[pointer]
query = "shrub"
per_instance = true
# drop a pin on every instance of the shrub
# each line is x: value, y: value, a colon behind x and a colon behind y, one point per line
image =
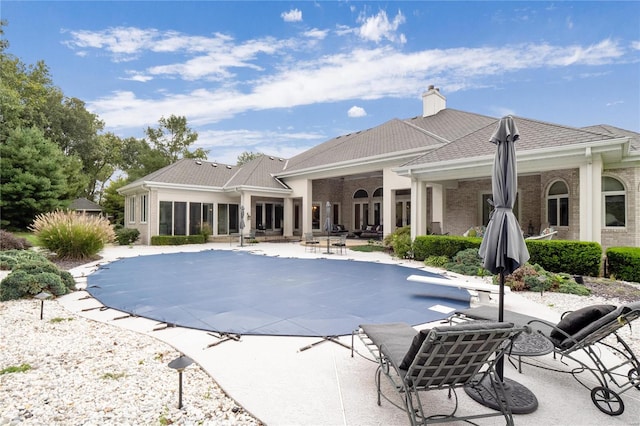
x: 442, y: 245
x: 176, y: 240
x: 534, y: 278
x: 8, y: 241
x: 32, y: 277
x: 574, y: 257
x: 206, y: 232
x: 437, y: 261
x: 467, y: 262
x: 624, y: 263
x: 400, y: 242
x: 72, y: 236
x: 126, y: 236
x: 11, y: 258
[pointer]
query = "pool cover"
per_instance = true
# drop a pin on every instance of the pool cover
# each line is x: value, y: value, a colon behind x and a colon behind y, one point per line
x: 244, y: 293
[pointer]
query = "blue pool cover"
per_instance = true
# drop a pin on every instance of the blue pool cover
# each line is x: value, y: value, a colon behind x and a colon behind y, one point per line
x: 244, y: 293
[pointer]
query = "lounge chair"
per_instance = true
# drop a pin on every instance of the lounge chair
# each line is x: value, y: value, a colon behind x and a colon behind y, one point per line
x: 547, y: 236
x: 583, y: 332
x: 443, y: 358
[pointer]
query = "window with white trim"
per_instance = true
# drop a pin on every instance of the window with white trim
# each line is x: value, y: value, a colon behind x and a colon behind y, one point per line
x: 132, y: 209
x: 143, y: 208
x: 614, y: 202
x: 558, y: 204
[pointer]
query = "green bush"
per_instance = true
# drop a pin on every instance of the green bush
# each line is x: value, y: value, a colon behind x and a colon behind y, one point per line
x: 437, y: 261
x: 33, y: 276
x: 400, y: 242
x: 72, y: 236
x: 11, y: 258
x: 573, y: 257
x: 624, y: 263
x: 206, y: 232
x: 534, y: 278
x: 8, y: 241
x: 176, y: 240
x: 467, y: 262
x: 442, y: 245
x: 126, y: 236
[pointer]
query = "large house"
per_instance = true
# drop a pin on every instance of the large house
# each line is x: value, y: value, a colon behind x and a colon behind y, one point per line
x: 431, y: 171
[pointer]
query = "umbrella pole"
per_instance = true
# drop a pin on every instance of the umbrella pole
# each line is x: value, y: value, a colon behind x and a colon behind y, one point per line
x: 500, y: 362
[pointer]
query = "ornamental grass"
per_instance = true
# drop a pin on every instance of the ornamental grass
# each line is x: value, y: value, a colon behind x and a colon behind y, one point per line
x: 72, y: 236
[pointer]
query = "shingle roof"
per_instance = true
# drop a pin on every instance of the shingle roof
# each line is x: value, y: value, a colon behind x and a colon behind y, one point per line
x: 188, y: 171
x: 534, y: 134
x: 84, y: 204
x: 259, y: 173
x: 617, y: 132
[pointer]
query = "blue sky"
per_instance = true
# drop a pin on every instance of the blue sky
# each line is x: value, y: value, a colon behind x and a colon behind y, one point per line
x: 279, y: 77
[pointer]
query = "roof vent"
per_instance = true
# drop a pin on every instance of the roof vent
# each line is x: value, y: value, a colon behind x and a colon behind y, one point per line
x: 229, y: 167
x: 270, y: 158
x: 280, y: 159
x: 214, y: 164
x: 199, y: 163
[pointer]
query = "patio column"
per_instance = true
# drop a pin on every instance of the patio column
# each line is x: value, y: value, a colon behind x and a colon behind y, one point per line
x: 590, y: 198
x: 287, y: 218
x: 307, y: 205
x: 418, y: 208
x: 437, y: 204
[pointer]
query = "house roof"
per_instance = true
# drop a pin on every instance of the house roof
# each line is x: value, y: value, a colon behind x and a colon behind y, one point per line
x: 259, y: 173
x: 634, y: 137
x: 416, y: 135
x: 534, y: 135
x: 83, y: 204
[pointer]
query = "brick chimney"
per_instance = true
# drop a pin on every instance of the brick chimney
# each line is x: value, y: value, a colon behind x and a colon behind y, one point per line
x: 432, y: 101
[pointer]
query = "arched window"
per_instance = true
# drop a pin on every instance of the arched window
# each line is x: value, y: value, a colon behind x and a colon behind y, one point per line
x: 377, y: 193
x: 613, y: 202
x: 558, y: 204
x: 361, y: 193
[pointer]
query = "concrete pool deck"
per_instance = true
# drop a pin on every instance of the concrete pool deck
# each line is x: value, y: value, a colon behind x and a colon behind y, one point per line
x: 281, y: 385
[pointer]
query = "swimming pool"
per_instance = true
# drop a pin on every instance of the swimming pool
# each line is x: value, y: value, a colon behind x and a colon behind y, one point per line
x: 245, y: 293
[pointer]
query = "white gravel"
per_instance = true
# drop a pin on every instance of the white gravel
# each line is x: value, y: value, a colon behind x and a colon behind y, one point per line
x: 84, y: 372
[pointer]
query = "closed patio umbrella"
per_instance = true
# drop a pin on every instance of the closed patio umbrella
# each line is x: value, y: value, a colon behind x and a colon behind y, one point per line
x: 503, y: 249
x: 241, y: 226
x: 327, y: 225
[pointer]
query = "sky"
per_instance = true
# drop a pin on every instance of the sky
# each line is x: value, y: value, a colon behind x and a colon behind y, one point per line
x: 279, y: 77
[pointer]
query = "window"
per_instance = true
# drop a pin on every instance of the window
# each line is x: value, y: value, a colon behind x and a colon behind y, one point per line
x: 315, y: 216
x: 166, y: 218
x: 614, y: 202
x: 228, y: 219
x: 143, y: 208
x: 195, y: 218
x: 173, y: 218
x: 558, y: 204
x: 486, y: 206
x: 207, y: 216
x: 361, y: 193
x: 132, y: 209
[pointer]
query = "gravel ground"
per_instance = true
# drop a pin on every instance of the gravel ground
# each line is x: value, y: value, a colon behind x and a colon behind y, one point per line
x: 83, y: 372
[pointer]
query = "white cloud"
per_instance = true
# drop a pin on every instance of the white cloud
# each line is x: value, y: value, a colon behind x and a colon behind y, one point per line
x: 356, y: 111
x: 614, y: 103
x: 216, y: 93
x: 294, y: 15
x: 378, y: 27
x: 635, y: 45
x: 316, y: 33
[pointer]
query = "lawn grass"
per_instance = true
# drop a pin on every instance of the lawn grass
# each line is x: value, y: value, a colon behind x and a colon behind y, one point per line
x: 29, y: 236
x: 368, y: 248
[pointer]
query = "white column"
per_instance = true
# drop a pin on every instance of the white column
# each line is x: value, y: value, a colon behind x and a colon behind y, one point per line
x: 591, y: 199
x: 307, y: 204
x: 418, y: 208
x: 288, y: 218
x: 437, y: 204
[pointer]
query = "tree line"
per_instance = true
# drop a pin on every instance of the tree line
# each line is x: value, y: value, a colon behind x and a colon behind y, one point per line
x: 53, y: 150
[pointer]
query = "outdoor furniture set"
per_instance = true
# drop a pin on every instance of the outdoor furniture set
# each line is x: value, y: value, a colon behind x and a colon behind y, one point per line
x: 465, y: 354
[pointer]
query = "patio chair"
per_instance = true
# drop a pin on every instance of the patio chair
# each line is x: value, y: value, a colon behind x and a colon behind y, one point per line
x: 311, y: 243
x: 583, y: 332
x: 443, y: 358
x: 341, y: 244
